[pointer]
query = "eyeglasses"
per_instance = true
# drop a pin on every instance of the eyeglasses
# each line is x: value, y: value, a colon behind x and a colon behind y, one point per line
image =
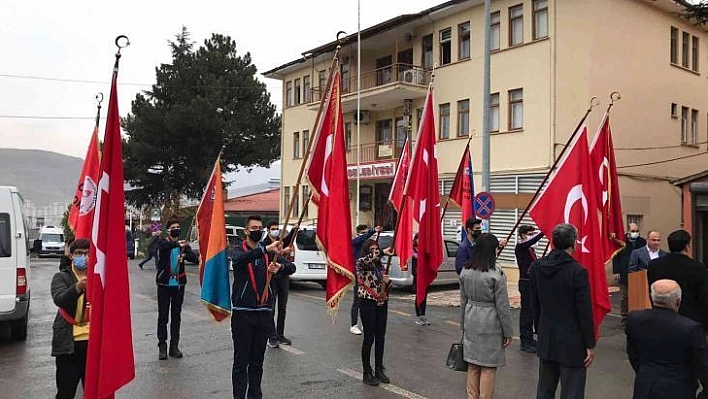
x: 256, y: 228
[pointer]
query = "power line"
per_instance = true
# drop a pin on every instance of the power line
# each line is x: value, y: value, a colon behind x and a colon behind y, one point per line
x: 662, y: 161
x: 48, y: 117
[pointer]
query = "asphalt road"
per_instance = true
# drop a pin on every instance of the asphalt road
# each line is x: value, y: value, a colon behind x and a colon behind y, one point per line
x: 323, y: 362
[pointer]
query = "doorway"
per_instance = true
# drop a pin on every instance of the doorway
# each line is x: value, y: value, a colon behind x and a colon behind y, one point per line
x: 700, y: 239
x: 384, y: 214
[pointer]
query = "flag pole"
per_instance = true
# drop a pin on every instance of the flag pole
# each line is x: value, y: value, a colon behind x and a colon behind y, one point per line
x: 462, y: 161
x: 389, y: 203
x: 299, y: 220
x: 593, y: 103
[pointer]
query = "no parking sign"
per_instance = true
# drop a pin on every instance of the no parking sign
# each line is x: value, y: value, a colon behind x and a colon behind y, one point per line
x: 484, y: 205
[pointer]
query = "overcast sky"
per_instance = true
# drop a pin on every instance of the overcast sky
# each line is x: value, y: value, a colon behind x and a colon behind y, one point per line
x: 73, y: 41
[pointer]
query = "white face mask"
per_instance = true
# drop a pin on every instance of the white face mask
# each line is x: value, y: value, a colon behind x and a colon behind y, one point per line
x: 274, y: 233
x: 634, y: 236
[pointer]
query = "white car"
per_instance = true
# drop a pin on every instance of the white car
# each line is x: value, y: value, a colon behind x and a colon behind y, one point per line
x: 14, y: 264
x: 309, y: 260
x: 52, y: 241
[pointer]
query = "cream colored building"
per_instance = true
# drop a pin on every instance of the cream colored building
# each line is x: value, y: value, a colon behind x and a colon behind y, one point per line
x: 550, y: 57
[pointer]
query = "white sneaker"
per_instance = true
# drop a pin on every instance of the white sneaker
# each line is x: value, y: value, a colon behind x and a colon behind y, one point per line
x: 419, y: 321
x: 355, y: 330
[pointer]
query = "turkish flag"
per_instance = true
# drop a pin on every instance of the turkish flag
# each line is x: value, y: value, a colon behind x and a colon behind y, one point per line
x: 109, y: 362
x: 602, y: 156
x: 327, y: 172
x: 462, y: 192
x: 84, y: 202
x: 422, y: 189
x: 569, y: 198
x: 399, y: 179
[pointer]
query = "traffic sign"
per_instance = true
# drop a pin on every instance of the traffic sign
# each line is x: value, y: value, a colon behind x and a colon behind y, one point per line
x: 484, y: 205
x: 155, y: 215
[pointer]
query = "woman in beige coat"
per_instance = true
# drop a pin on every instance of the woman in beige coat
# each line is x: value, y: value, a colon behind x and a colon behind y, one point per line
x: 485, y: 317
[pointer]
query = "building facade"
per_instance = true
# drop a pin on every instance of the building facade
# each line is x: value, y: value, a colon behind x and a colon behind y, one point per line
x: 549, y: 57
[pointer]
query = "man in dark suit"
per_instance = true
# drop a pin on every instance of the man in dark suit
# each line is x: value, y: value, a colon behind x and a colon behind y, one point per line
x: 640, y: 258
x: 563, y: 314
x: 620, y: 264
x: 667, y: 351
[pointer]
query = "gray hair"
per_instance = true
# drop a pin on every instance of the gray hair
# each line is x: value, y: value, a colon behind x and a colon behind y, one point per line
x: 666, y: 299
x: 564, y: 236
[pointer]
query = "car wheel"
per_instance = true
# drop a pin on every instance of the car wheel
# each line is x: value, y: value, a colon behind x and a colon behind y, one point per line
x: 19, y: 331
x: 323, y: 284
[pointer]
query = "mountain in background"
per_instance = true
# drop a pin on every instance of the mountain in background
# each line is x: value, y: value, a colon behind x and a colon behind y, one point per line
x: 42, y: 177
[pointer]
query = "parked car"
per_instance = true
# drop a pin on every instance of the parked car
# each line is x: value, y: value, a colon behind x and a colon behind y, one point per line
x: 310, y: 261
x: 233, y: 235
x: 52, y: 241
x: 14, y: 264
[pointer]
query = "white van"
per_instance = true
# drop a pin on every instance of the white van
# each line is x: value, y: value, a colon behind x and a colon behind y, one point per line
x: 14, y: 264
x: 52, y: 241
x: 310, y: 261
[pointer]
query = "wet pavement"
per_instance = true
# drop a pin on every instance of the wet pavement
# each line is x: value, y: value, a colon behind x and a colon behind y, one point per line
x: 323, y: 362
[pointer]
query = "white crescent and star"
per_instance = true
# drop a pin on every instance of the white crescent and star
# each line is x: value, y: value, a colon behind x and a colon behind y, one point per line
x: 576, y: 194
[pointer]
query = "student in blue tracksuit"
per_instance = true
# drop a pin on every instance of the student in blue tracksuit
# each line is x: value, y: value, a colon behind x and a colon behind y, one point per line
x: 252, y: 306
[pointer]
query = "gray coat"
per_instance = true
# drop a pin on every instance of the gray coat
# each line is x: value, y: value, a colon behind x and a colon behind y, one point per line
x: 485, y: 316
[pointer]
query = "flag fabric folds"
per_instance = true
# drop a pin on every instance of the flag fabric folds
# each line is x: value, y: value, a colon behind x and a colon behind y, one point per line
x: 602, y: 156
x: 213, y: 262
x: 399, y: 179
x: 327, y: 173
x: 109, y: 363
x: 569, y: 198
x: 422, y: 190
x: 462, y: 191
x: 84, y: 203
x: 403, y: 242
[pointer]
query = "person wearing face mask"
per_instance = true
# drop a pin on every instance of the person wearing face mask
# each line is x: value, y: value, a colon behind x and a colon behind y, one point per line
x: 71, y: 324
x: 473, y: 229
x: 280, y: 284
x: 171, y: 280
x: 525, y: 255
x: 620, y: 265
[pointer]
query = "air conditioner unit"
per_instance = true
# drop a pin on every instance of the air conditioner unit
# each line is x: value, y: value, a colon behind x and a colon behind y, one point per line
x: 413, y: 76
x: 363, y: 117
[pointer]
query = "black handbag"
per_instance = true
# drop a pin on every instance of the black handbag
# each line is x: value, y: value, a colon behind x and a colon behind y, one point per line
x: 455, y: 358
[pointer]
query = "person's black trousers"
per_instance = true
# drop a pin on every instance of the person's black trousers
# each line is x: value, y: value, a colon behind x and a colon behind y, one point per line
x: 249, y: 331
x: 146, y: 260
x: 373, y: 318
x: 420, y: 310
x: 526, y: 316
x: 356, y: 304
x: 70, y: 370
x: 572, y: 380
x: 281, y: 289
x: 169, y: 305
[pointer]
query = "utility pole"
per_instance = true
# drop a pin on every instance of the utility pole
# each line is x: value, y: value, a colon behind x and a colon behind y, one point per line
x: 485, y: 103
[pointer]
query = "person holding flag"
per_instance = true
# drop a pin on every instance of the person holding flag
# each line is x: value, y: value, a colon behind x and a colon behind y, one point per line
x: 525, y: 255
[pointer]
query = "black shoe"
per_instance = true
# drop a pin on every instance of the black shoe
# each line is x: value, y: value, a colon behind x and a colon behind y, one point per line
x: 369, y: 379
x: 284, y: 341
x: 174, y: 351
x: 273, y: 342
x: 381, y: 376
x: 162, y: 349
x: 528, y: 348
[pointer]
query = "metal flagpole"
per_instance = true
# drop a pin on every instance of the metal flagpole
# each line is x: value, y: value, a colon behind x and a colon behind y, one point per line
x: 358, y: 108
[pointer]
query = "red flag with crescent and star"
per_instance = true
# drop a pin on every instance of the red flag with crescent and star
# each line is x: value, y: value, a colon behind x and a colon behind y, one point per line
x: 569, y: 197
x: 82, y: 207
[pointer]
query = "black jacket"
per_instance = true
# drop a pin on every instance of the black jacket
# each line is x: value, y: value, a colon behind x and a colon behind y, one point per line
x: 562, y: 309
x: 244, y: 296
x: 168, y: 253
x: 691, y: 276
x: 620, y: 263
x: 667, y: 351
x: 523, y: 255
x: 64, y: 296
x: 154, y: 244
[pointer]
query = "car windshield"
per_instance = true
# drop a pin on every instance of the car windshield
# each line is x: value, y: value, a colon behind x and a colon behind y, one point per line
x: 306, y: 240
x: 52, y: 237
x: 385, y: 241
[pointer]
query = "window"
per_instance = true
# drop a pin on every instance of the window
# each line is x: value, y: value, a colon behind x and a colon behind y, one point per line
x: 5, y: 236
x: 694, y: 54
x: 674, y: 45
x: 674, y: 110
x: 463, y: 36
x: 444, y: 121
x: 286, y: 199
x: 494, y: 112
x: 540, y: 19
x: 516, y: 25
x: 684, y: 125
x: 289, y: 94
x: 297, y: 92
x: 516, y: 109
x: 296, y: 204
x: 495, y: 31
x: 307, y: 89
x: 463, y: 118
x: 305, y: 140
x: 427, y: 44
x: 445, y: 46
x: 305, y: 198
x: 322, y: 82
x: 348, y: 135
x: 693, y: 138
x: 636, y: 219
x: 384, y: 138
x: 296, y: 145
x: 685, y: 47
x: 346, y: 78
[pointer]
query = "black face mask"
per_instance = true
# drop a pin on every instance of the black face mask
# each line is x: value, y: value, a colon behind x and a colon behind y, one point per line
x: 174, y: 233
x: 476, y: 234
x: 255, y: 235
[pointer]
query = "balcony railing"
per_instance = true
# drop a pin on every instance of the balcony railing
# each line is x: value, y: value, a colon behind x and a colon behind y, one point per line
x: 395, y: 73
x: 372, y: 152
